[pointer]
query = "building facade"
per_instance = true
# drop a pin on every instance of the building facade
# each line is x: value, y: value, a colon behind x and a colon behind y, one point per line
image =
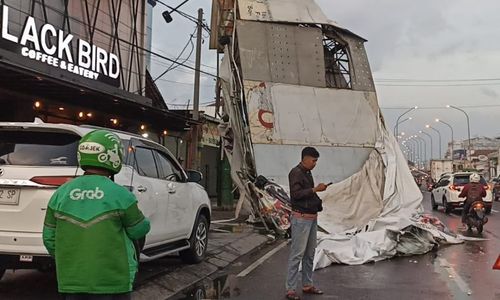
x: 81, y: 62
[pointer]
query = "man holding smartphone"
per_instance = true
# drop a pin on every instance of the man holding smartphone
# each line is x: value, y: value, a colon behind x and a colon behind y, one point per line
x: 305, y: 207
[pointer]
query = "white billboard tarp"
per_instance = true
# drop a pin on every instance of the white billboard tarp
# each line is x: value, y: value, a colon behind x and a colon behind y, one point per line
x: 301, y: 115
x: 292, y: 11
x: 367, y: 224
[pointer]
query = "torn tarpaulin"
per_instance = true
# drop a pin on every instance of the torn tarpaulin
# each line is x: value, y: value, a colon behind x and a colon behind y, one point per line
x: 355, y: 248
x: 397, y: 225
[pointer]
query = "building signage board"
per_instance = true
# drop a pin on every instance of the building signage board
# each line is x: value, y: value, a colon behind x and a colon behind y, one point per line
x: 46, y: 44
x: 210, y: 135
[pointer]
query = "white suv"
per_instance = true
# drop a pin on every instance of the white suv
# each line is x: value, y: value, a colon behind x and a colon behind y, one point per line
x: 36, y: 158
x: 449, y: 186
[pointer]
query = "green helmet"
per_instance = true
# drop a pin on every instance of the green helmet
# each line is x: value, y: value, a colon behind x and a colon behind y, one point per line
x: 101, y: 149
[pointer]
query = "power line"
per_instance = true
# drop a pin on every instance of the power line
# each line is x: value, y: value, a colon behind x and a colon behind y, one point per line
x: 414, y: 82
x: 185, y: 15
x: 439, y: 85
x: 190, y: 60
x: 435, y: 80
x: 443, y: 107
x: 125, y: 41
x: 185, y: 83
x: 173, y: 65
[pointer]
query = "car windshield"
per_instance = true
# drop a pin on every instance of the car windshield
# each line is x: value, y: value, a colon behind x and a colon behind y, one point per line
x: 464, y: 179
x: 38, y: 148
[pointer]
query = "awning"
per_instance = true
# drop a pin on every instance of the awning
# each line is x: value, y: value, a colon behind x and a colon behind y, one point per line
x: 18, y: 83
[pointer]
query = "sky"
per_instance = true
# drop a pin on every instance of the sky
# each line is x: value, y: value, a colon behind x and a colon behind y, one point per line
x: 422, y: 53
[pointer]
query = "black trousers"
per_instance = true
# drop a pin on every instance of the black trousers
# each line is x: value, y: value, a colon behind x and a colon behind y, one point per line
x: 466, y: 209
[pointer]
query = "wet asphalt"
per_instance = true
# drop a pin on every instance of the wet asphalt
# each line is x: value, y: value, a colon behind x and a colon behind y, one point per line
x: 461, y: 271
x: 451, y: 272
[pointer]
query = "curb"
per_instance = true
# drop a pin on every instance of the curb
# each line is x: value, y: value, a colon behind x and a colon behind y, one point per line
x: 167, y: 285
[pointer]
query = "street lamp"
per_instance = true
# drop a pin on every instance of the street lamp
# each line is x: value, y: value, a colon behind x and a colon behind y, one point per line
x: 397, y: 125
x: 397, y: 121
x: 430, y: 137
x: 408, y: 147
x: 439, y: 134
x: 415, y: 147
x: 468, y: 127
x: 425, y: 148
x: 167, y: 15
x: 420, y: 148
x: 451, y: 128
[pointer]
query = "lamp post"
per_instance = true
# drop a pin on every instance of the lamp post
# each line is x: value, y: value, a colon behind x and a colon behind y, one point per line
x: 397, y: 121
x: 430, y: 137
x: 405, y: 151
x: 452, y: 139
x: 468, y: 127
x: 414, y: 145
x: 439, y: 134
x: 397, y: 125
x: 409, y: 146
x: 425, y: 148
x: 420, y: 149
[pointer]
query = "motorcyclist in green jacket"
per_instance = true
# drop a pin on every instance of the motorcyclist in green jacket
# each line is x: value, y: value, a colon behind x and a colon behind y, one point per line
x: 91, y: 223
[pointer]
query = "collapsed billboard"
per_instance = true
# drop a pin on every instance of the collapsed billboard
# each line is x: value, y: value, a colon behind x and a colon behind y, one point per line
x: 291, y: 78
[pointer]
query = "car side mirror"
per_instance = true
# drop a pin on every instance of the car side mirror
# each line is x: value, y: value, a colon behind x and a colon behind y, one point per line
x: 194, y: 176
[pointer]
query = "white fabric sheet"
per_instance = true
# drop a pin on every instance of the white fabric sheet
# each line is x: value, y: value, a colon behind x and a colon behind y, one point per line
x: 363, y: 227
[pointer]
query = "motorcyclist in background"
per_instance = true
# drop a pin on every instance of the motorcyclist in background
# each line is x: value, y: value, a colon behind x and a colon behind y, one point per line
x: 91, y: 223
x: 472, y: 192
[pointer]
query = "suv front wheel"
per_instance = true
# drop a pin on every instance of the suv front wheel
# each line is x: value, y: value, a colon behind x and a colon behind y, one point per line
x: 2, y: 272
x: 198, y: 242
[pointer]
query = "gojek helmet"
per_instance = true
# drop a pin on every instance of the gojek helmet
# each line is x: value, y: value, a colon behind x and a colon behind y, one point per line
x: 474, y: 178
x: 101, y: 149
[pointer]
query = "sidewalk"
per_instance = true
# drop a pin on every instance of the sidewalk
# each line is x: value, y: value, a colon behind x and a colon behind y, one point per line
x: 226, y: 244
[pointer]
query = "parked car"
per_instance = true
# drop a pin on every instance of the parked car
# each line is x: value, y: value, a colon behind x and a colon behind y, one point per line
x: 449, y: 186
x: 495, y: 186
x: 36, y: 158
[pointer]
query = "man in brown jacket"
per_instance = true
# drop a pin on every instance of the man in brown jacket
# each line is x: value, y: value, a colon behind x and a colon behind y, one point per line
x: 305, y: 207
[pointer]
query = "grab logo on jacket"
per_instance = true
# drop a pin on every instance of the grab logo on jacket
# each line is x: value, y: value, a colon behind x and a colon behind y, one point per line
x: 78, y: 194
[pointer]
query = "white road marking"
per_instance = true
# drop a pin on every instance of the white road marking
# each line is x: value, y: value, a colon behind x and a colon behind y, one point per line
x: 495, y: 211
x: 462, y: 285
x: 261, y: 260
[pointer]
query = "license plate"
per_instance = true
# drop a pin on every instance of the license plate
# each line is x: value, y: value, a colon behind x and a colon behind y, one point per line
x: 26, y: 258
x: 9, y: 196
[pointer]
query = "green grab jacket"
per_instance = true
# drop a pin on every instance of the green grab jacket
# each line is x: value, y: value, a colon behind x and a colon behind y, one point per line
x: 89, y: 227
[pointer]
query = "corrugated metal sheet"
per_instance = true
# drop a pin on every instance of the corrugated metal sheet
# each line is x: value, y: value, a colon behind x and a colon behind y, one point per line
x: 361, y: 77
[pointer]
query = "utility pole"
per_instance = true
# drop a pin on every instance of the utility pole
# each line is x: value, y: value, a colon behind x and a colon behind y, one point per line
x: 194, y: 161
x: 196, y: 97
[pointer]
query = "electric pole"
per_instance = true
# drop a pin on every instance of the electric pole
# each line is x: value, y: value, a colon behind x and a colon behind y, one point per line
x: 196, y: 97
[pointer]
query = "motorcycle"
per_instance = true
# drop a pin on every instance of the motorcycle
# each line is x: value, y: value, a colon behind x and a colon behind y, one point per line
x: 476, y: 217
x: 275, y: 204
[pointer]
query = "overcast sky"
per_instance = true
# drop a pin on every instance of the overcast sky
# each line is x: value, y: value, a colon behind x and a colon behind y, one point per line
x: 407, y: 40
